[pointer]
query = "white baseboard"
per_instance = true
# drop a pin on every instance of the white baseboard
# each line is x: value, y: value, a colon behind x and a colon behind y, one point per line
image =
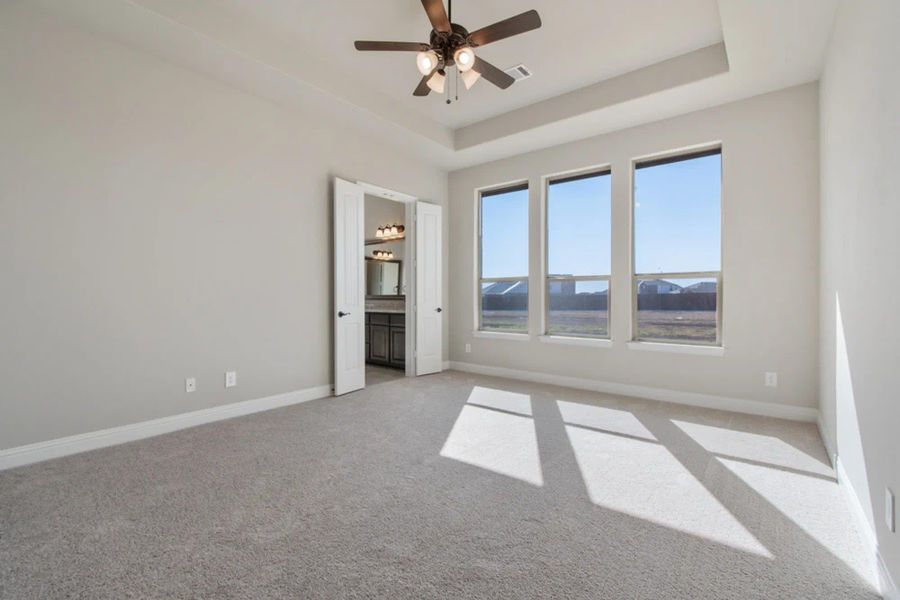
x: 445, y: 365
x: 826, y: 441
x: 782, y: 411
x: 887, y: 587
x: 40, y: 451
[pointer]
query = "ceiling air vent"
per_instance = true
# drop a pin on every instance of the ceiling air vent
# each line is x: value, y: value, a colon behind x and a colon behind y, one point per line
x: 518, y: 72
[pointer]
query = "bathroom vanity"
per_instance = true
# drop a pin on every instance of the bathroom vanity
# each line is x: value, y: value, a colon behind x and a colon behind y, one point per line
x: 386, y: 338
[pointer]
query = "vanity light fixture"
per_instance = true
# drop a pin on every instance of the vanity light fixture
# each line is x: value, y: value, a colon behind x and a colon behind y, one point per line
x: 383, y: 254
x: 389, y: 231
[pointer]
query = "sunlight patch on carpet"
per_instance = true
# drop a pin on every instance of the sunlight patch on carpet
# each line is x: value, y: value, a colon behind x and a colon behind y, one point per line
x: 600, y: 417
x: 754, y: 447
x: 497, y: 440
x: 813, y: 504
x: 645, y: 480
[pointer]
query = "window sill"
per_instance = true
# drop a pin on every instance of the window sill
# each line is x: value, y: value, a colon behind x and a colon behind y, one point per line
x: 677, y: 348
x: 502, y: 335
x: 576, y: 341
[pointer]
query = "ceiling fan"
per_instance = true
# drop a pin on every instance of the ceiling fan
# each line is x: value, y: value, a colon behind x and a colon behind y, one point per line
x: 451, y: 44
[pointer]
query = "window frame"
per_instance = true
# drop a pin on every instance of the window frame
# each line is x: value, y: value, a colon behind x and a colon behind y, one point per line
x: 658, y: 159
x: 480, y: 194
x: 546, y: 277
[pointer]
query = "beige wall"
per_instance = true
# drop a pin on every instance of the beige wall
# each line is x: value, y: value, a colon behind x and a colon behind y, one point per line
x: 860, y: 170
x: 770, y: 258
x: 156, y: 224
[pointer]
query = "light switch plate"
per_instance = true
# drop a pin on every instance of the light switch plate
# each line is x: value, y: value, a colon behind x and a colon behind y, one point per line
x: 771, y: 379
x: 468, y: 348
x: 230, y: 379
x: 190, y: 384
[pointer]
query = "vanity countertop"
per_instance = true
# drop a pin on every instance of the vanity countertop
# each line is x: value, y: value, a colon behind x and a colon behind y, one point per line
x: 395, y: 305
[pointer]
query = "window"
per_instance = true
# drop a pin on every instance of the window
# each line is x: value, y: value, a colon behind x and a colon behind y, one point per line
x: 677, y: 249
x: 503, y: 276
x: 578, y: 255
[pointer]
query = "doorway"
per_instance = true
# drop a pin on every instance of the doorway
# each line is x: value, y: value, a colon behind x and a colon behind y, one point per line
x: 387, y: 296
x: 387, y: 285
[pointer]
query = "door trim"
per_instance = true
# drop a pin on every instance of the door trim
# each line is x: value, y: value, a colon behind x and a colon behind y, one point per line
x: 409, y: 265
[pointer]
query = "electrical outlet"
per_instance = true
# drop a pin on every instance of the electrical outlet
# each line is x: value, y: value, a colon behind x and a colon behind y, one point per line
x: 468, y: 348
x: 771, y: 379
x: 889, y: 513
x: 230, y: 379
x: 190, y: 384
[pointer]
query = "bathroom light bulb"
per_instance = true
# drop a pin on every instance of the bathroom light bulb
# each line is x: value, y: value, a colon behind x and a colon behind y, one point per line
x: 394, y: 230
x: 379, y: 233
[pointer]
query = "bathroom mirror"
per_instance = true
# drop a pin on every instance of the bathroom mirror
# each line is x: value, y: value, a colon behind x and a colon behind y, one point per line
x: 384, y: 277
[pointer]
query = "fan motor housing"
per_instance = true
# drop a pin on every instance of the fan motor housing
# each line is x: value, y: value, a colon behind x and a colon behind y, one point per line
x: 445, y: 44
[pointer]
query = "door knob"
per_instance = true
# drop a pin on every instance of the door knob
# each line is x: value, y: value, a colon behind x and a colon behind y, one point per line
x: 439, y: 309
x: 343, y: 314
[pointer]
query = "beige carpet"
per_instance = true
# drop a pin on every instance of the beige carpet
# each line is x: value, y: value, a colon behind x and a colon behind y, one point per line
x: 447, y: 486
x: 376, y: 374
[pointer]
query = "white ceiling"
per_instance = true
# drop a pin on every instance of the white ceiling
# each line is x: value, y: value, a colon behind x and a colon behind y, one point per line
x: 599, y: 65
x: 579, y: 43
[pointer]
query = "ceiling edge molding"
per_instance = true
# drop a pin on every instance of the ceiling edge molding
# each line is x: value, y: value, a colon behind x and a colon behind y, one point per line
x: 681, y: 70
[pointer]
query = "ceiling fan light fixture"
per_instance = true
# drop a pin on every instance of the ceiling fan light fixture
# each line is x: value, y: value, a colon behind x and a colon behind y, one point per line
x: 469, y: 78
x: 451, y: 44
x: 436, y: 82
x: 464, y: 58
x: 426, y: 61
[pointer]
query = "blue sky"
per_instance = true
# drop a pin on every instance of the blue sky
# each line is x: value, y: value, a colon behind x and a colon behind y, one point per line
x: 504, y: 234
x: 677, y: 216
x: 578, y: 227
x: 677, y: 223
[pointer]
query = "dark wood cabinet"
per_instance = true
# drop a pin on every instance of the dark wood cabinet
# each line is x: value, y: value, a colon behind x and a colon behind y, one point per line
x: 380, y: 343
x: 398, y: 347
x: 386, y: 339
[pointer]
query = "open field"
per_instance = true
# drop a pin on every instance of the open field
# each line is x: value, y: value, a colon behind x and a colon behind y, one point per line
x: 512, y: 321
x: 683, y: 325
x: 579, y: 322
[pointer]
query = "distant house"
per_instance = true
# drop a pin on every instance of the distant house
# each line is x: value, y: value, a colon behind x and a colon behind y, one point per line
x: 506, y: 288
x: 562, y: 287
x: 658, y: 286
x: 568, y: 288
x: 701, y: 287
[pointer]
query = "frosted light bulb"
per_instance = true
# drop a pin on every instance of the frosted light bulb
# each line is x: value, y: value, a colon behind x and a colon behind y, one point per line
x: 426, y: 61
x: 464, y: 59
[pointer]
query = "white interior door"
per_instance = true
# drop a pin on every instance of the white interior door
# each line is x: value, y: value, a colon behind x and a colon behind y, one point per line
x: 349, y: 288
x: 429, y: 291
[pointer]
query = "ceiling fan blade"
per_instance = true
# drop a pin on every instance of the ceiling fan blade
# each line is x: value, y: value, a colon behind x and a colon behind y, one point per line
x: 422, y: 89
x: 506, y: 28
x: 492, y: 73
x: 437, y: 15
x: 391, y: 46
